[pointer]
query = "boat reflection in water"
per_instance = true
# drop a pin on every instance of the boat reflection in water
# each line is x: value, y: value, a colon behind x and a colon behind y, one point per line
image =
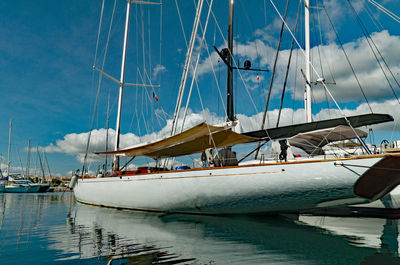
x: 141, y: 238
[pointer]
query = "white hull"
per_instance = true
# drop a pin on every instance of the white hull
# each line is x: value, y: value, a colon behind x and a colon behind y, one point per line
x: 278, y: 187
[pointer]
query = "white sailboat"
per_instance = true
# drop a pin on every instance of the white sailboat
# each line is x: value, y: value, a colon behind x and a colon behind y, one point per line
x: 225, y: 187
x: 15, y: 183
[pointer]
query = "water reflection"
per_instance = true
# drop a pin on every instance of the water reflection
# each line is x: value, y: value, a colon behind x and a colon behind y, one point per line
x: 36, y: 226
x: 106, y: 246
x: 248, y: 240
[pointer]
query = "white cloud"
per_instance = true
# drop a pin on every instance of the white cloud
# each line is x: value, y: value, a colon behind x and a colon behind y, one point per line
x: 158, y: 69
x: 33, y: 171
x: 334, y: 63
x: 75, y: 144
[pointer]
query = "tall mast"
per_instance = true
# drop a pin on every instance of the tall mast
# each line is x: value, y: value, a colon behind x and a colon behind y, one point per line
x: 307, y: 94
x: 9, y: 149
x: 41, y: 164
x: 107, y: 125
x: 121, y: 88
x: 230, y: 110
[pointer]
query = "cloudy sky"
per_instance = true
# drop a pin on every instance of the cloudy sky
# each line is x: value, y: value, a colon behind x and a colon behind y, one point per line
x: 48, y: 87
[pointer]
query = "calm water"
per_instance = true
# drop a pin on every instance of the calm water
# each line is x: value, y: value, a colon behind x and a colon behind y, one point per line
x: 52, y: 229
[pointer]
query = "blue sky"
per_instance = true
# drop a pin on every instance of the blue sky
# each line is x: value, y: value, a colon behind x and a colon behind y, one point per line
x: 48, y: 87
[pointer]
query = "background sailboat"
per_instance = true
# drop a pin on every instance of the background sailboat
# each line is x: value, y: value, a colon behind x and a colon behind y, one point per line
x: 17, y: 183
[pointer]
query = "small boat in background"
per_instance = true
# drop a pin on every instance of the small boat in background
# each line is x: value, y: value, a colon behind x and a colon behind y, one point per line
x: 16, y: 183
x: 2, y: 182
x: 21, y: 186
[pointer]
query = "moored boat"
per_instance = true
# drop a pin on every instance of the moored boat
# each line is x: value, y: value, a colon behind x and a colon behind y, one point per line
x: 21, y: 186
x: 224, y: 186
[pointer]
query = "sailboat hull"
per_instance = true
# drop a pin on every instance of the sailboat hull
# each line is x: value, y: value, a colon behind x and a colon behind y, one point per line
x: 281, y: 187
x: 21, y: 189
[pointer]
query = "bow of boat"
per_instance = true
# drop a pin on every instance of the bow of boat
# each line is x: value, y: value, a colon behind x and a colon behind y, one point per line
x: 379, y: 179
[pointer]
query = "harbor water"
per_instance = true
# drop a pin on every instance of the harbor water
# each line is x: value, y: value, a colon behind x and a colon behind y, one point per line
x: 53, y: 229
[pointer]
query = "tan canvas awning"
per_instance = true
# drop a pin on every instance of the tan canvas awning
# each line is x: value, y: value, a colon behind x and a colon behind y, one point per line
x: 193, y: 140
x: 312, y: 142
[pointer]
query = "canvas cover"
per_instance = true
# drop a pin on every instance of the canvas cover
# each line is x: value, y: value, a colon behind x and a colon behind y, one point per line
x: 312, y: 142
x: 191, y: 141
x: 292, y: 130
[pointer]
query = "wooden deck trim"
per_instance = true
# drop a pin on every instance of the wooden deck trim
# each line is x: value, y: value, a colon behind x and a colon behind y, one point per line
x: 264, y: 164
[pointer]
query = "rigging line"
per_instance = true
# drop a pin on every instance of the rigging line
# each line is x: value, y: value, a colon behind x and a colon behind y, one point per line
x: 217, y: 81
x: 320, y: 36
x: 187, y: 65
x: 245, y: 86
x: 325, y: 138
x: 272, y: 76
x: 344, y: 149
x: 16, y: 147
x: 370, y: 167
x: 215, y: 31
x: 47, y: 163
x: 196, y: 65
x: 143, y: 41
x: 369, y: 40
x: 323, y: 83
x: 234, y: 63
x: 149, y: 97
x: 274, y: 68
x: 288, y: 66
x: 320, y: 58
x: 98, y: 32
x: 395, y: 125
x: 149, y: 48
x: 180, y: 20
x: 198, y: 90
x: 143, y: 116
x: 320, y: 41
x: 249, y: 154
x: 385, y: 10
x: 194, y: 79
x: 107, y: 129
x: 151, y: 102
x: 265, y: 12
x: 161, y: 20
x: 252, y: 29
x: 137, y: 113
x: 376, y: 22
x: 348, y: 61
x: 98, y: 90
x: 219, y: 28
x: 380, y: 54
x: 137, y: 75
x: 295, y: 84
x: 40, y: 159
x: 142, y: 105
x: 187, y: 46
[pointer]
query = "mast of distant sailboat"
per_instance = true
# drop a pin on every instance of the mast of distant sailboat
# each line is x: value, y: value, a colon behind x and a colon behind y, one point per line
x: 9, y: 149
